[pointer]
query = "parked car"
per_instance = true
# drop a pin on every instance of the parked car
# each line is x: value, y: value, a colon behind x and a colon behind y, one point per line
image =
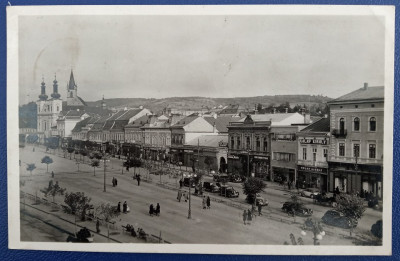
x: 335, y: 218
x: 223, y: 178
x: 228, y: 191
x: 309, y: 192
x: 261, y: 201
x: 298, y: 209
x: 326, y: 198
x: 186, y: 182
x: 210, y: 187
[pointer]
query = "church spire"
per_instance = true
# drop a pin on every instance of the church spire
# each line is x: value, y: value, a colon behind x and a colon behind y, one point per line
x: 71, y: 83
x: 43, y: 95
x: 55, y: 93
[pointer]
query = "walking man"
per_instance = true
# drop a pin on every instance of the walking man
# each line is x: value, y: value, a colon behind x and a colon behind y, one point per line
x: 119, y: 207
x: 138, y: 180
x: 259, y: 209
x: 208, y: 202
x: 125, y: 207
x: 244, y: 217
x: 249, y: 216
x: 180, y: 183
x: 204, y: 202
x: 158, y: 209
x: 179, y: 195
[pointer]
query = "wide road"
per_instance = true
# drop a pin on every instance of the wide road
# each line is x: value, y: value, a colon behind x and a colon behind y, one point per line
x: 220, y: 224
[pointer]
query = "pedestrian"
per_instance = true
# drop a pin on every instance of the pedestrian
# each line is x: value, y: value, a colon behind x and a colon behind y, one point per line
x: 179, y: 195
x: 52, y: 174
x: 98, y: 226
x: 151, y: 210
x: 125, y: 207
x: 204, y: 202
x: 158, y: 209
x: 249, y: 216
x: 138, y: 180
x: 244, y: 216
x: 208, y: 202
x: 337, y: 191
x: 259, y: 209
x: 119, y: 207
x: 180, y: 183
x: 116, y: 182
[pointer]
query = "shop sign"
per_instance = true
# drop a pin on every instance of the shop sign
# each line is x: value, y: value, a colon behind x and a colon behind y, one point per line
x: 313, y: 141
x: 189, y: 151
x: 312, y: 169
x: 261, y: 158
x: 233, y: 157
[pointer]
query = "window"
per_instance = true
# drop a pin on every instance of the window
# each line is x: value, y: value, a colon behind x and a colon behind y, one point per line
x: 341, y: 150
x: 232, y: 142
x: 314, y: 150
x: 258, y: 144
x: 372, y: 151
x: 304, y: 153
x: 238, y: 143
x: 248, y: 143
x: 356, y: 150
x: 341, y: 125
x: 372, y: 124
x: 325, y: 153
x: 280, y: 156
x: 265, y: 145
x: 356, y: 124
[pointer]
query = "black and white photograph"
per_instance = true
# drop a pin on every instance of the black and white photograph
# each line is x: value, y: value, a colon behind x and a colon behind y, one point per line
x: 201, y: 129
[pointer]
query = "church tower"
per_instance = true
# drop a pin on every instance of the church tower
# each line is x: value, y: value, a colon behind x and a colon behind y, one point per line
x: 73, y: 100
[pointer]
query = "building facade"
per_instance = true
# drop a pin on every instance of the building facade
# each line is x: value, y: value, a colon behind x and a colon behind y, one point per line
x: 356, y: 151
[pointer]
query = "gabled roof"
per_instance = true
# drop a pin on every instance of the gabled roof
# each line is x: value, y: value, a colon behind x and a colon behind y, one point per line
x: 208, y: 140
x: 221, y: 122
x: 72, y: 113
x: 322, y: 125
x: 273, y: 117
x: 79, y: 125
x: 185, y: 121
x: 139, y: 122
x: 368, y: 93
x: 98, y: 125
x: 126, y: 115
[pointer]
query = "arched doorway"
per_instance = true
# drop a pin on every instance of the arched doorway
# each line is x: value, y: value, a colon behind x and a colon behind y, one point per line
x: 222, y: 165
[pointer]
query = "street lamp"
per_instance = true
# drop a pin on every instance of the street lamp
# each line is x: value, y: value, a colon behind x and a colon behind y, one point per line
x: 316, y: 228
x: 105, y: 165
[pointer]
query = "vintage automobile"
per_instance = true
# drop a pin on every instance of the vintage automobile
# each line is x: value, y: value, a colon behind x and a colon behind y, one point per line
x: 296, y: 208
x: 236, y: 178
x: 222, y: 178
x: 186, y: 182
x: 210, y: 187
x: 261, y: 201
x: 228, y: 191
x: 326, y: 198
x: 335, y: 218
x: 309, y: 192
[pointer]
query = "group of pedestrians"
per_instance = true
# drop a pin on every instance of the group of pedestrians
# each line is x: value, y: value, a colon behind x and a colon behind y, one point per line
x: 125, y: 208
x: 206, y: 203
x: 247, y: 216
x: 114, y: 182
x: 156, y: 211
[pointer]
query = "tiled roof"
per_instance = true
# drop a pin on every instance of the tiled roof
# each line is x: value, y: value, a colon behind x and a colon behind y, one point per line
x: 185, y: 121
x: 368, y: 93
x: 78, y: 127
x: 221, y: 122
x: 208, y: 140
x: 139, y: 122
x: 322, y: 125
x: 273, y: 117
x: 129, y: 114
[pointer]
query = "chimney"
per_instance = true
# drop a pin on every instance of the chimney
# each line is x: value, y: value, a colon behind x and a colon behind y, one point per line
x: 365, y: 85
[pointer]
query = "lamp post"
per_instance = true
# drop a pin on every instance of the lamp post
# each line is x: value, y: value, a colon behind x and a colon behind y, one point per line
x: 190, y: 199
x: 317, y: 230
x: 105, y: 165
x: 248, y: 163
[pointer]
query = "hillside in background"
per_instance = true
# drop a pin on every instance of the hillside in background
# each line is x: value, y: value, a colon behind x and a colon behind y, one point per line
x: 194, y: 103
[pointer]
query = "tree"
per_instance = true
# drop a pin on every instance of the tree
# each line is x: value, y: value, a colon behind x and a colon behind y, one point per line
x: 70, y: 151
x: 350, y: 205
x: 78, y: 203
x: 53, y: 190
x: 251, y: 187
x: 84, y: 154
x: 47, y: 160
x: 107, y: 213
x: 95, y: 164
x: 31, y: 167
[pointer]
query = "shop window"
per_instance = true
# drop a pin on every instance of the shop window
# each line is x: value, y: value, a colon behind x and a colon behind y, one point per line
x: 372, y: 151
x: 341, y: 149
x: 356, y: 124
x: 304, y: 153
x: 372, y: 124
x: 356, y: 150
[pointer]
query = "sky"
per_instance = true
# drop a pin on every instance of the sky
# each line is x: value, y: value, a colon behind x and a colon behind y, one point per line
x: 211, y: 56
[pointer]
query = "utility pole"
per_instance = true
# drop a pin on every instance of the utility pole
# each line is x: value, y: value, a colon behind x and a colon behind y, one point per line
x: 104, y: 158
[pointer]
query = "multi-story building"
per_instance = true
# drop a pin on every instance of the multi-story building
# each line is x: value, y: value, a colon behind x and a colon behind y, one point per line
x: 312, y: 161
x: 249, y: 142
x: 67, y: 120
x: 356, y: 148
x: 157, y: 137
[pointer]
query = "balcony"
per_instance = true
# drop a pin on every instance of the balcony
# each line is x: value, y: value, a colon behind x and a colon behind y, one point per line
x: 339, y: 133
x: 353, y: 160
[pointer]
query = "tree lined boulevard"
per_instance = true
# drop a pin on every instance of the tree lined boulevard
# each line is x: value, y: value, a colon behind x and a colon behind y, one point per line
x: 221, y: 224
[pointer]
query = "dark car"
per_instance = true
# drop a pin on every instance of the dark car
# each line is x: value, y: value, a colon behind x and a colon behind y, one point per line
x: 228, y: 191
x: 186, y: 182
x: 210, y: 187
x: 335, y: 218
x: 236, y: 178
x: 326, y: 198
x: 298, y: 209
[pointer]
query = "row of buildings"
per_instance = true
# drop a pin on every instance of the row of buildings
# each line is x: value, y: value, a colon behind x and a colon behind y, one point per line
x: 343, y: 150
